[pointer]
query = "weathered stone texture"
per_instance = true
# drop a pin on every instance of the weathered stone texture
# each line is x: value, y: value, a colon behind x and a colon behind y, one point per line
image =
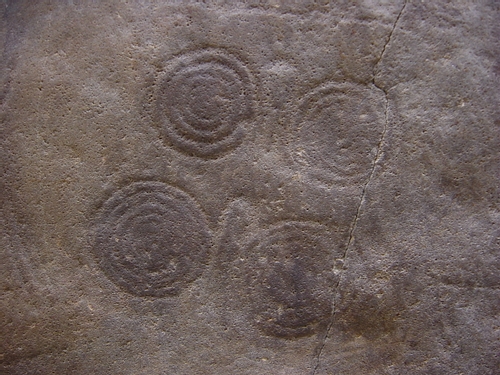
x: 257, y: 187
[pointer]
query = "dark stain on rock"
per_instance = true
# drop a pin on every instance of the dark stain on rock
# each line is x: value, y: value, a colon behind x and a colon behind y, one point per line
x: 297, y: 310
x: 290, y: 280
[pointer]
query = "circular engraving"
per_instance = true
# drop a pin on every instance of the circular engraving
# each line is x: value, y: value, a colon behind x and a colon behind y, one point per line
x: 202, y: 102
x: 151, y: 239
x: 291, y: 280
x: 339, y: 130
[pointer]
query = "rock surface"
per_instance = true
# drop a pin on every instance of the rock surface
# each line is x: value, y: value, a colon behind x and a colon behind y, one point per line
x: 256, y: 187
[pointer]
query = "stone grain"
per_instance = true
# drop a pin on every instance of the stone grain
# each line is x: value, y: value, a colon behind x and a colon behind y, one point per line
x: 250, y: 187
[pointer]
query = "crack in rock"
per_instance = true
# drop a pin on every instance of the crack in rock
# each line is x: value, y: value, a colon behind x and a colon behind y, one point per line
x: 376, y: 161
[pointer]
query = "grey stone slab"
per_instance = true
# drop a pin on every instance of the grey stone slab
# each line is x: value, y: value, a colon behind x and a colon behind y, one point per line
x: 250, y: 187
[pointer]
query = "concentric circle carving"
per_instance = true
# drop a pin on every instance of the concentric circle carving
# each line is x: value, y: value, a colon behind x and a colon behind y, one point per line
x: 202, y: 101
x: 338, y: 132
x: 151, y: 239
x: 290, y: 278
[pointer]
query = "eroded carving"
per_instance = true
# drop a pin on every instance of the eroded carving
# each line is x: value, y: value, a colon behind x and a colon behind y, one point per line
x: 290, y: 276
x: 338, y: 130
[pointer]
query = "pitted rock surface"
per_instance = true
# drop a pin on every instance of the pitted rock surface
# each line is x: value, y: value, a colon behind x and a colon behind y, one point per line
x: 250, y: 187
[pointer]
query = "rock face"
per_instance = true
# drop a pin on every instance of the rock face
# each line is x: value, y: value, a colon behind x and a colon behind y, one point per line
x: 255, y: 187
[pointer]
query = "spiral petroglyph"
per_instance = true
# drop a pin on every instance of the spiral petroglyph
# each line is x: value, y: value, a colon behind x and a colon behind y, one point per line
x: 290, y: 271
x: 151, y: 239
x: 338, y: 130
x: 201, y: 102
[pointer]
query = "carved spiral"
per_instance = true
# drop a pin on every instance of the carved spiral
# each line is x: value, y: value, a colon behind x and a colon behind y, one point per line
x: 202, y: 101
x: 151, y: 239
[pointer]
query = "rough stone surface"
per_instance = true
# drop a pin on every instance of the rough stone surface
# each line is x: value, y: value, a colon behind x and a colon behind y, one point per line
x: 258, y: 187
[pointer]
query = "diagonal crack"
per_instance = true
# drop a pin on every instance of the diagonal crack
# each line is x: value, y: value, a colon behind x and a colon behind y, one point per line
x: 376, y: 161
x: 387, y: 43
